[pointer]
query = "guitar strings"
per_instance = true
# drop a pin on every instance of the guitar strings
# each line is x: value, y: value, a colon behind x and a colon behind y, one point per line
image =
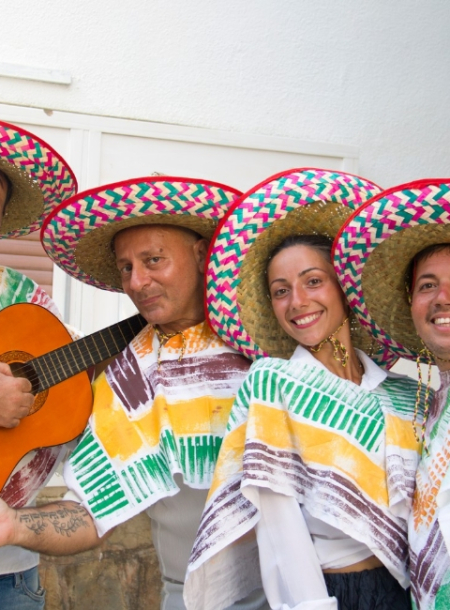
x: 73, y: 361
x: 77, y: 360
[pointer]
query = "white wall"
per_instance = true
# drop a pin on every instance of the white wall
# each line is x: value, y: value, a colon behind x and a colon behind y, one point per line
x: 102, y: 150
x: 372, y: 73
x: 367, y: 73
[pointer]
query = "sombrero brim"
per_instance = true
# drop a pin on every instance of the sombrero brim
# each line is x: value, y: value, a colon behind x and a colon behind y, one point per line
x: 77, y: 236
x: 39, y: 176
x: 299, y: 201
x: 373, y: 251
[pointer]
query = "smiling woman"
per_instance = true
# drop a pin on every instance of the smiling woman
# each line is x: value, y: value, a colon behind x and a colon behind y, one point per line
x: 308, y: 301
x: 319, y: 453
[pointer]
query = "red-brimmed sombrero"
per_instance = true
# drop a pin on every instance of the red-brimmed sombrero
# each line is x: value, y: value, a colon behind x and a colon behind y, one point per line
x: 373, y: 251
x: 40, y: 179
x: 302, y: 201
x: 77, y: 236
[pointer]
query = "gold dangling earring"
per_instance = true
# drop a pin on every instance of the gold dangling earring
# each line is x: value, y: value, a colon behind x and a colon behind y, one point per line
x: 427, y: 354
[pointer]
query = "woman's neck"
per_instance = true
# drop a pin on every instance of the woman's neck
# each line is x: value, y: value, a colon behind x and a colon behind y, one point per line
x: 353, y: 370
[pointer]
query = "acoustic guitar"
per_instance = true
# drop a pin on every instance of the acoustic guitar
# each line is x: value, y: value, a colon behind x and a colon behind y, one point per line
x: 37, y: 345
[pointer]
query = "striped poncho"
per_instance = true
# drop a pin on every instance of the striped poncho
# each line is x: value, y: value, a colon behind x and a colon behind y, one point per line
x: 151, y: 421
x: 429, y: 524
x: 346, y: 453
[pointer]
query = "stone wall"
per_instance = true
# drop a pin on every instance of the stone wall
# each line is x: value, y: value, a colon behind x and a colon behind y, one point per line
x: 121, y: 574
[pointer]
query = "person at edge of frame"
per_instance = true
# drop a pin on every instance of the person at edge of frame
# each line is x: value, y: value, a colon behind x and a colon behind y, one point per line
x: 34, y: 179
x: 405, y: 237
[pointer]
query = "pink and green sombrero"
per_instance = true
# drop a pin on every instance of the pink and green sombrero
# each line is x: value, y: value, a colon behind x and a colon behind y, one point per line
x: 78, y: 234
x: 307, y: 201
x: 374, y: 249
x: 40, y: 179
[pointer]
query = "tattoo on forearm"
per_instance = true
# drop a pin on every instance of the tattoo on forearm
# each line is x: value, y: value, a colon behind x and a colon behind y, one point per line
x: 64, y: 520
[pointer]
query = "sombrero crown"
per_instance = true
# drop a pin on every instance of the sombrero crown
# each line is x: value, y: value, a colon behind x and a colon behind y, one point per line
x: 78, y: 235
x: 374, y: 249
x: 298, y: 201
x: 40, y: 179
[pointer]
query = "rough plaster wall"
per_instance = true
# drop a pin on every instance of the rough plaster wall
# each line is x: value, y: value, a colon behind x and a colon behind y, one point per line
x: 372, y: 73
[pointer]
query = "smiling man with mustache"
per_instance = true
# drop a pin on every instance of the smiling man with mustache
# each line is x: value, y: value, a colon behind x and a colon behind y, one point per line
x: 395, y: 253
x: 430, y: 301
x: 430, y: 521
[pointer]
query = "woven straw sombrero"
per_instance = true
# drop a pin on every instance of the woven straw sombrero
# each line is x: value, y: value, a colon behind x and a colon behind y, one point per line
x: 298, y: 201
x: 374, y: 248
x: 39, y: 176
x: 77, y: 236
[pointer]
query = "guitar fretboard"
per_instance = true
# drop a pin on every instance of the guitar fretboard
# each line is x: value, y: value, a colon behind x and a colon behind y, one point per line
x: 71, y: 359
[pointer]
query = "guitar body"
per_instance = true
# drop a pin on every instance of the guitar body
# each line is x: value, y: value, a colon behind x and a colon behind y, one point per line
x: 60, y: 413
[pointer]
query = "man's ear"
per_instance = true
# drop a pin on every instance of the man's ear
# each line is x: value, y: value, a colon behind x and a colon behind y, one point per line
x: 200, y: 251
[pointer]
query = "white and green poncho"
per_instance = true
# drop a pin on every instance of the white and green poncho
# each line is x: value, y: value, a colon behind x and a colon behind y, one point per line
x: 348, y: 454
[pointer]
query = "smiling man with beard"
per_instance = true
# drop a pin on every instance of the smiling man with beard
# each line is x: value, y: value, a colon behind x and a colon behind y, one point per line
x: 430, y: 301
x: 430, y: 523
x: 396, y: 255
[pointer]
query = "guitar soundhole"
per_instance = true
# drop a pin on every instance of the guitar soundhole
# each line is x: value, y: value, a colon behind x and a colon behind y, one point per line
x: 18, y: 362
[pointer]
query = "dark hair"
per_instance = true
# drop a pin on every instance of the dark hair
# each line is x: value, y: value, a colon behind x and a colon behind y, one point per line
x: 8, y: 190
x: 422, y: 256
x: 321, y: 243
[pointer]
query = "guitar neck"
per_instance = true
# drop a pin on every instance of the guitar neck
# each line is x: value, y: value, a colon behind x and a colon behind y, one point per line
x: 60, y: 364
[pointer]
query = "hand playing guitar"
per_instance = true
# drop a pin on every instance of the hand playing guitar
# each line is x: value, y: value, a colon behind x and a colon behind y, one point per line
x: 16, y: 399
x: 56, y: 370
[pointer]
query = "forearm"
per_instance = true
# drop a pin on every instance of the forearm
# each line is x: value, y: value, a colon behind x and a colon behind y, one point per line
x: 61, y: 528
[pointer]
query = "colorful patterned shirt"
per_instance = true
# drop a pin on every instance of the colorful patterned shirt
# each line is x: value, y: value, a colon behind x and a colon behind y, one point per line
x: 347, y: 453
x: 429, y: 524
